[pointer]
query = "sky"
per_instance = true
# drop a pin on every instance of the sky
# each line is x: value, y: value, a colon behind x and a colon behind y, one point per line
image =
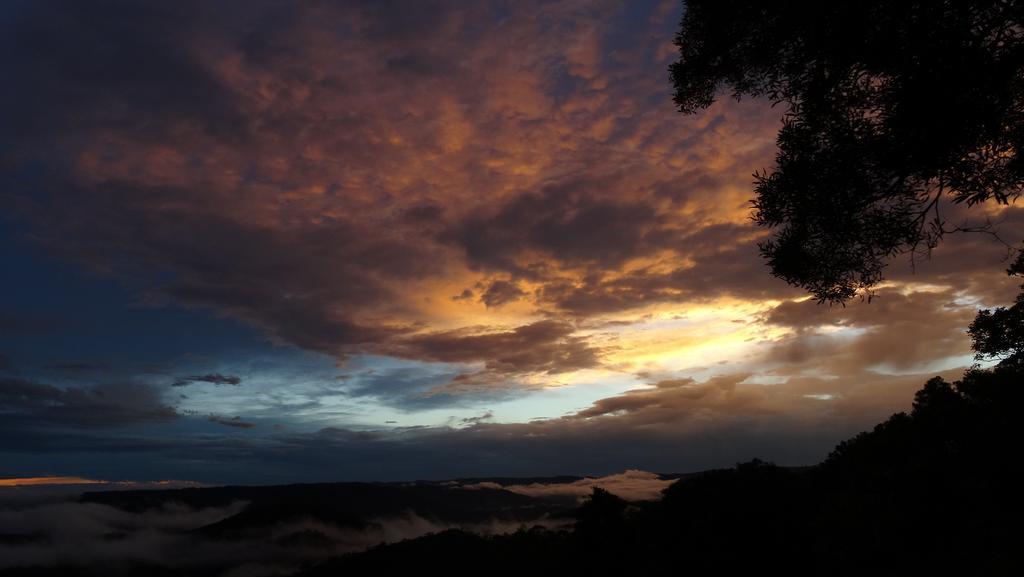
x: 264, y: 242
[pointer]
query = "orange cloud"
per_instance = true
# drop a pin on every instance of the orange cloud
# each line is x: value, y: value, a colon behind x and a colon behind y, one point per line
x: 35, y: 481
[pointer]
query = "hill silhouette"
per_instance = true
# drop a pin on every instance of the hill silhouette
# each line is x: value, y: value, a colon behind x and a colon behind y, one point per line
x: 343, y: 505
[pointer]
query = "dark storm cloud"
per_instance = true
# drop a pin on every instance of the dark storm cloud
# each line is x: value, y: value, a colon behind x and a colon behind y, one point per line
x: 545, y: 346
x: 138, y: 70
x: 76, y: 367
x: 235, y: 422
x: 285, y: 286
x: 731, y: 403
x: 973, y: 262
x: 319, y: 171
x: 30, y: 440
x: 102, y: 405
x: 26, y: 324
x: 501, y: 292
x: 678, y: 401
x: 93, y: 52
x: 715, y: 272
x: 212, y: 378
x: 896, y: 330
x: 565, y: 222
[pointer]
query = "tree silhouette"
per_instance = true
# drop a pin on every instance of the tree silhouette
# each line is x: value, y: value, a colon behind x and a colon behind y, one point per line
x: 891, y: 109
x: 999, y: 333
x: 601, y: 518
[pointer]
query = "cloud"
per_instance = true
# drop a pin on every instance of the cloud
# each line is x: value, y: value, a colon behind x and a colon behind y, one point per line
x: 420, y: 387
x: 673, y: 395
x: 631, y: 485
x: 100, y: 537
x: 674, y: 425
x: 213, y: 378
x: 898, y: 330
x: 91, y: 535
x: 19, y: 323
x: 332, y: 174
x: 102, y: 405
x: 713, y: 273
x: 547, y: 346
x: 565, y: 222
x: 76, y: 367
x: 333, y: 202
x: 235, y: 422
x: 501, y: 292
x: 60, y: 532
x: 488, y: 415
x: 34, y: 481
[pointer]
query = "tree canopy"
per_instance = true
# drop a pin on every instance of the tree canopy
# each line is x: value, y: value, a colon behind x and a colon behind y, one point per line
x: 890, y: 110
x: 999, y: 333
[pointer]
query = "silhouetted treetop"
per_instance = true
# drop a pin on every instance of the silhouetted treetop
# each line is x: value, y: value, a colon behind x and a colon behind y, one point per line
x: 891, y: 108
x: 601, y: 517
x: 999, y: 333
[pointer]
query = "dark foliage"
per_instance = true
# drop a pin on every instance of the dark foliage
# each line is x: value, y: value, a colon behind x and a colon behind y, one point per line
x: 891, y: 108
x: 999, y: 333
